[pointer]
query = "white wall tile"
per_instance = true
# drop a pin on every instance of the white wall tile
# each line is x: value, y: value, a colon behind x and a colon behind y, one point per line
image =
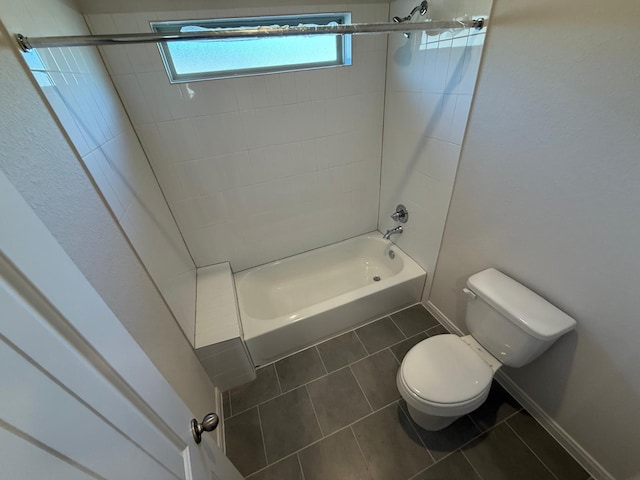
x: 460, y: 116
x: 428, y: 97
x: 84, y: 99
x: 249, y: 148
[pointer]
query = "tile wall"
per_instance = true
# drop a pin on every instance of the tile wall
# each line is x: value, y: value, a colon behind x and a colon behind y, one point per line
x: 78, y: 88
x: 430, y: 84
x: 263, y: 167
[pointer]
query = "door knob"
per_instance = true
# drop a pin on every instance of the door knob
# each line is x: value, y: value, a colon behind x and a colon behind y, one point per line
x: 209, y: 423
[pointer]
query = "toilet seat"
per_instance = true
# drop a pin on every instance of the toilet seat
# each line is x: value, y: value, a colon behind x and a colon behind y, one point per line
x: 443, y: 376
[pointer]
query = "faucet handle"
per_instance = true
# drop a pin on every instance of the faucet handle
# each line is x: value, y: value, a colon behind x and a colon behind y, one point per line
x: 401, y: 214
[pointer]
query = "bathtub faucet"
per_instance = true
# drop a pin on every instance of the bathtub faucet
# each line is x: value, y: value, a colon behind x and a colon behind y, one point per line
x: 393, y: 231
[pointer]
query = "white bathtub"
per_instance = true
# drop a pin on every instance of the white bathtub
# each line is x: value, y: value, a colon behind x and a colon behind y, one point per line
x: 293, y: 303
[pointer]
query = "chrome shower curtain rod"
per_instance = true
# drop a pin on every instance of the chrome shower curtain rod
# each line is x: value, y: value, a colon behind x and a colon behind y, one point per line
x: 27, y: 43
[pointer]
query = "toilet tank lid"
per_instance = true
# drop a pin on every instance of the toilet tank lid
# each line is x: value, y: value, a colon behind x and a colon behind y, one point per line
x: 525, y: 308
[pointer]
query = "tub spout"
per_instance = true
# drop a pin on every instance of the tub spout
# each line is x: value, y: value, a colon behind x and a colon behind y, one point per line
x: 393, y: 231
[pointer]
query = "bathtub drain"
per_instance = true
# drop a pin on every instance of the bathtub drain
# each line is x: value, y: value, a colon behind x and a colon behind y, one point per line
x: 376, y: 278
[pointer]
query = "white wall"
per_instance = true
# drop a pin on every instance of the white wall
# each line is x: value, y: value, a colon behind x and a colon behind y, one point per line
x: 547, y: 191
x: 40, y: 162
x: 263, y: 167
x: 78, y: 88
x: 430, y: 82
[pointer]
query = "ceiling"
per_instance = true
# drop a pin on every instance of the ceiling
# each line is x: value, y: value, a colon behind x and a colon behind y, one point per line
x: 125, y: 6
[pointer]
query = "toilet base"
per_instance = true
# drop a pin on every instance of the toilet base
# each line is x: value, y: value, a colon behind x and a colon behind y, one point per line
x: 430, y: 422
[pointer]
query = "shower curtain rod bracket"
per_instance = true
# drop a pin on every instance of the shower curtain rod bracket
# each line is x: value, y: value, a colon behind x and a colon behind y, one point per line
x: 23, y: 43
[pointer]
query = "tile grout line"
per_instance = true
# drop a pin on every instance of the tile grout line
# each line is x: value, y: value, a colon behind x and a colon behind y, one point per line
x: 326, y: 370
x: 361, y: 343
x: 359, y: 340
x: 315, y: 414
x: 359, y: 446
x: 396, y: 325
x: 352, y: 424
x: 327, y: 374
x: 268, y: 466
x: 275, y: 369
x: 360, y: 387
x: 470, y: 463
x: 332, y: 433
x: 334, y: 371
x: 413, y: 428
x: 264, y: 443
x: 531, y: 449
x: 300, y: 465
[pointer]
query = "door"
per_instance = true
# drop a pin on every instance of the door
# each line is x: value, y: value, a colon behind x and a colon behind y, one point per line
x: 78, y: 398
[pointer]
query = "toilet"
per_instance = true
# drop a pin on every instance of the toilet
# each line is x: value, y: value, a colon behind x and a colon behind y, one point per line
x: 445, y: 377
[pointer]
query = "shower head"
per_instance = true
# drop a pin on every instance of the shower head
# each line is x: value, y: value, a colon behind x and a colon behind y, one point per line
x: 422, y: 8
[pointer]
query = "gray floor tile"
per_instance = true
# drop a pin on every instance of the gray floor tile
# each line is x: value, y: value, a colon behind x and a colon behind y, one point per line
x: 391, y: 448
x: 341, y: 351
x: 498, y: 406
x: 338, y: 400
x: 454, y: 467
x: 437, y: 330
x: 299, y: 368
x: 500, y: 455
x: 244, y: 442
x: 288, y: 424
x: 335, y: 457
x: 556, y: 458
x: 263, y: 388
x: 377, y: 377
x: 443, y: 442
x: 286, y: 469
x: 401, y: 349
x: 379, y: 334
x: 414, y: 319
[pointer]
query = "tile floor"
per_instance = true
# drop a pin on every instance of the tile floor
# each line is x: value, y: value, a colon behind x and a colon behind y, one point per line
x: 333, y: 412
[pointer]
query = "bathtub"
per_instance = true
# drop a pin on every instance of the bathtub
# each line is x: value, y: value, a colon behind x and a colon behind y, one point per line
x: 293, y: 303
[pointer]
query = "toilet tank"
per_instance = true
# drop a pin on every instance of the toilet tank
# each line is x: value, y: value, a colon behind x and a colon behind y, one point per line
x: 513, y: 323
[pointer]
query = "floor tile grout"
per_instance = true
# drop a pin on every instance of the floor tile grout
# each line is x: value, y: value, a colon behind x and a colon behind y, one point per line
x: 264, y: 443
x: 411, y: 424
x: 300, y: 465
x: 355, y: 437
x: 326, y: 370
x: 313, y: 407
x: 278, y: 380
x: 470, y: 463
x: 360, y: 387
x: 396, y: 325
x: 397, y: 402
x: 361, y: 342
x: 531, y: 450
x: 332, y: 433
x: 327, y: 374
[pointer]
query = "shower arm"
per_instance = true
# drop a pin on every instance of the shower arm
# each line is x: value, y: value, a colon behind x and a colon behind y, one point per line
x: 422, y: 8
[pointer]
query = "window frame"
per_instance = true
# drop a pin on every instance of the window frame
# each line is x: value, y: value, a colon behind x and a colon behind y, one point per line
x: 343, y: 43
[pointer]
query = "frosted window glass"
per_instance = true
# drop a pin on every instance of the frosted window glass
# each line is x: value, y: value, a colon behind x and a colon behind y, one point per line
x: 204, y: 59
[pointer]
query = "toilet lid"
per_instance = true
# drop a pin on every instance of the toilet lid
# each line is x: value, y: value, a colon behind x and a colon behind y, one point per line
x: 443, y: 369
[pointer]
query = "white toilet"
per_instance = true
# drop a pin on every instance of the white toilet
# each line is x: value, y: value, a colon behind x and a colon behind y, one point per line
x: 446, y: 376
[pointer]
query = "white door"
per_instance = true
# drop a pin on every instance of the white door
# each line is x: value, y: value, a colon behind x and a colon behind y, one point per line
x: 78, y: 397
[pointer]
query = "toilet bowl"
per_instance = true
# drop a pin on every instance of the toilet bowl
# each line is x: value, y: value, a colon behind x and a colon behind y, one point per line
x: 442, y: 379
x: 445, y: 377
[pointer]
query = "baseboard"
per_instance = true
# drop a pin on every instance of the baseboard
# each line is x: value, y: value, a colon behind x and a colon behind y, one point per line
x: 596, y: 470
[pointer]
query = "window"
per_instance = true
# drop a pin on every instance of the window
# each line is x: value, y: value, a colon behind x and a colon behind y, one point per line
x: 191, y: 60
